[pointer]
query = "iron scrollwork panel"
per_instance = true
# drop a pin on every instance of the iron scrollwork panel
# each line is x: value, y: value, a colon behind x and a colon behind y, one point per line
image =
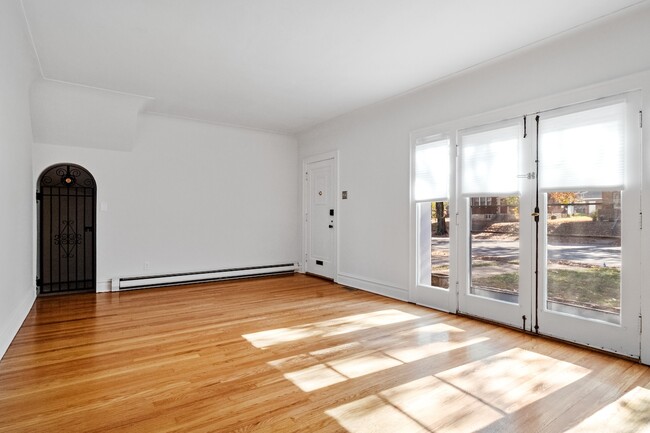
x: 68, y: 239
x: 67, y: 176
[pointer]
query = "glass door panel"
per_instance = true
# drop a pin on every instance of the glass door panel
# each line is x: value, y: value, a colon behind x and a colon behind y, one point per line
x: 433, y: 253
x: 589, y: 249
x: 583, y: 262
x: 439, y: 275
x: 494, y: 248
x: 496, y: 188
x: 589, y: 268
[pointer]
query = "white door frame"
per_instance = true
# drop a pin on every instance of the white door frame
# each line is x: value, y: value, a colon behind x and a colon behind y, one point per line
x: 422, y: 294
x: 305, y: 208
x: 639, y: 81
x: 644, y: 83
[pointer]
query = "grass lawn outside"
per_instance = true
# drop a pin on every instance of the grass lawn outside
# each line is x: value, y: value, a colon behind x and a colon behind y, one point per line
x: 574, y: 283
x: 595, y: 287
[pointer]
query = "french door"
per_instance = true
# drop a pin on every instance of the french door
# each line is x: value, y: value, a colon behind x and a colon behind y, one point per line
x: 590, y: 227
x: 546, y: 224
x: 495, y: 194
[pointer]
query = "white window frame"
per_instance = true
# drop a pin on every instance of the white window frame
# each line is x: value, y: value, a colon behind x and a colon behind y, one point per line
x: 607, y: 89
x: 421, y: 294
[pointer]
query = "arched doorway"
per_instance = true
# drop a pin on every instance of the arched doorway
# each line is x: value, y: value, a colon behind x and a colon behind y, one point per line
x: 66, y: 230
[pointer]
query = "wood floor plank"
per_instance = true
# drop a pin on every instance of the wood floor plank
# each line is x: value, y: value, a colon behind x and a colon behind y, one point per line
x: 298, y: 354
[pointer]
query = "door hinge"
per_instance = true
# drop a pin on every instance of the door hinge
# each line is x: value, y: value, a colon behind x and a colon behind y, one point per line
x: 525, y: 129
x: 39, y: 196
x: 457, y: 217
x: 640, y: 324
x: 38, y: 282
x: 307, y: 176
x: 640, y: 118
x: 640, y: 220
x: 306, y: 216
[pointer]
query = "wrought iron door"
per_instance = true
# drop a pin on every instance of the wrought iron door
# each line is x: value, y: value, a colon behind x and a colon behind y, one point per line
x: 66, y: 197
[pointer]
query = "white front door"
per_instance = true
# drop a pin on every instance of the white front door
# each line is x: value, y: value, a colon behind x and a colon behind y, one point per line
x: 320, y: 217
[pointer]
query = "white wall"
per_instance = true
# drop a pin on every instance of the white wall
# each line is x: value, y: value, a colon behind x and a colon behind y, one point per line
x: 17, y: 70
x: 190, y: 196
x: 73, y: 115
x: 374, y: 141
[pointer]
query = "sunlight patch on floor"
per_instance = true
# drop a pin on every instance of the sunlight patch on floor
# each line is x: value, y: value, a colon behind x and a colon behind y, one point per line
x: 322, y: 368
x: 315, y: 377
x: 328, y: 328
x: 317, y: 374
x: 465, y: 398
x: 440, y: 406
x: 630, y: 413
x: 415, y: 352
x: 514, y: 378
x: 314, y: 357
x: 371, y: 415
x: 361, y: 365
x: 430, y: 340
x: 325, y: 374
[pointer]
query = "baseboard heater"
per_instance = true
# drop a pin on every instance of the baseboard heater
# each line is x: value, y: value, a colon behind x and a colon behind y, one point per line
x: 130, y: 283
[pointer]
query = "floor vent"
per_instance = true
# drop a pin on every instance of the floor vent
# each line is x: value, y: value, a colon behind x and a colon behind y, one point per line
x: 130, y: 283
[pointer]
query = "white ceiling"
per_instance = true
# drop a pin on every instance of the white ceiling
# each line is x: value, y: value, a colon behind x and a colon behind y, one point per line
x: 284, y: 65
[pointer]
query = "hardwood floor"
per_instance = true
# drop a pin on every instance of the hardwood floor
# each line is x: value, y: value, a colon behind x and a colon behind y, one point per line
x: 298, y: 354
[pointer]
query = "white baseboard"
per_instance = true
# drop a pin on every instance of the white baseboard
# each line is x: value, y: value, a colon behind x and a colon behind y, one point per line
x: 373, y: 286
x: 12, y: 325
x: 103, y: 286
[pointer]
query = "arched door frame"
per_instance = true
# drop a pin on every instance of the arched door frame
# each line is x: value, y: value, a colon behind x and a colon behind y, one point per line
x: 71, y: 234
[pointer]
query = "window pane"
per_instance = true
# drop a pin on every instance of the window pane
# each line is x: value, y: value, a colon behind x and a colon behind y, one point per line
x: 584, y: 254
x: 584, y: 149
x: 489, y: 160
x: 494, y: 247
x: 432, y: 171
x: 434, y: 244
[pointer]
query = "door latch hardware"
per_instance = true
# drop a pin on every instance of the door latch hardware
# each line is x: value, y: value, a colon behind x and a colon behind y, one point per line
x: 529, y: 176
